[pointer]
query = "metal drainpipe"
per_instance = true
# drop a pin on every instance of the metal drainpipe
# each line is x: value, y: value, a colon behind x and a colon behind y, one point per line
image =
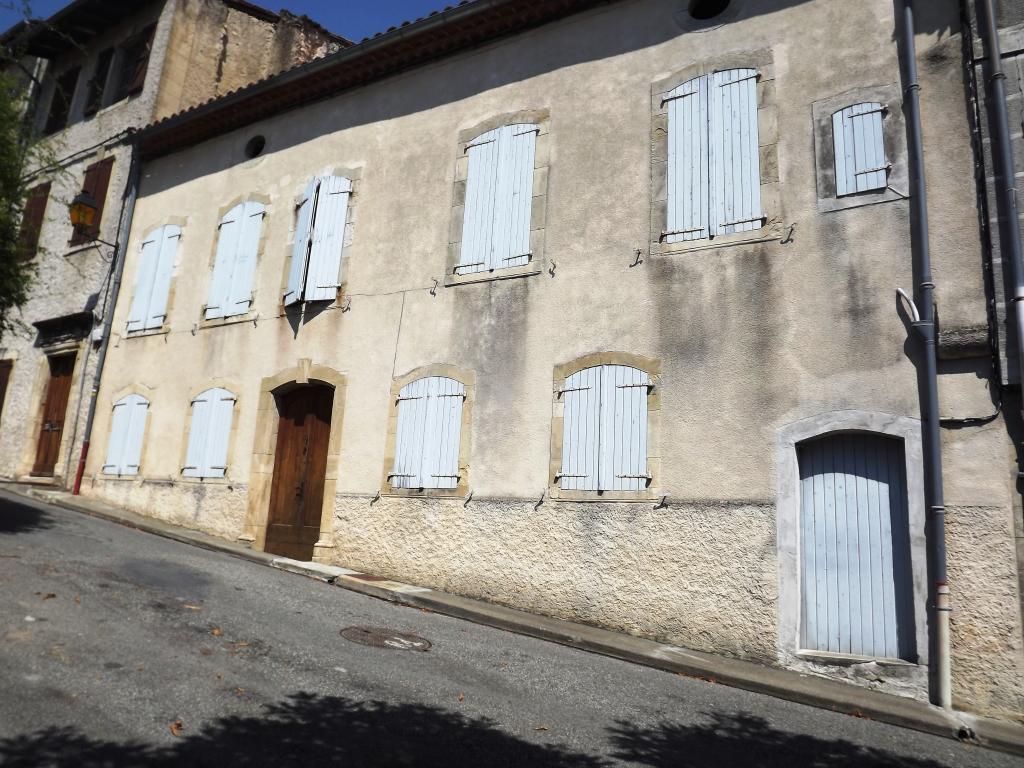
x: 925, y: 328
x: 124, y: 229
x: 1003, y: 156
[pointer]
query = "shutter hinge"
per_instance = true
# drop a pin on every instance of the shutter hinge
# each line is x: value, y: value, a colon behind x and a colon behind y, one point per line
x: 452, y: 476
x: 527, y: 256
x: 667, y: 99
x: 398, y: 474
x: 562, y: 475
x: 886, y: 167
x: 634, y: 477
x: 760, y: 219
x: 669, y: 233
x: 573, y: 389
x: 649, y: 385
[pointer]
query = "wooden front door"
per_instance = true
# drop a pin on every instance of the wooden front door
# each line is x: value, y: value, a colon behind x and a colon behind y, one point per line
x: 55, y: 406
x: 300, y: 466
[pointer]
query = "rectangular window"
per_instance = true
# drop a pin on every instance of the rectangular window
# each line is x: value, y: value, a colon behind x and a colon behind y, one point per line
x: 429, y: 434
x: 237, y: 245
x: 133, y: 61
x: 127, y: 427
x: 60, y: 104
x: 95, y: 183
x: 153, y: 282
x: 98, y: 81
x: 499, y: 199
x: 315, y: 271
x: 207, y: 455
x: 714, y: 178
x: 859, y: 149
x: 32, y: 219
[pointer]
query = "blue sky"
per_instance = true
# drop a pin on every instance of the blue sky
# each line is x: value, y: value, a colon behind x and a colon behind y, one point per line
x: 354, y: 19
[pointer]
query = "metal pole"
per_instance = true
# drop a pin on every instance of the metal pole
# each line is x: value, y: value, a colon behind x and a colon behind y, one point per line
x: 124, y: 229
x: 925, y: 327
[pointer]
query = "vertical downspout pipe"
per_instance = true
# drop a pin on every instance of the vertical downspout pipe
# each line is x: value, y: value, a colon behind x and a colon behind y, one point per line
x: 1006, y: 193
x: 925, y: 328
x: 124, y: 229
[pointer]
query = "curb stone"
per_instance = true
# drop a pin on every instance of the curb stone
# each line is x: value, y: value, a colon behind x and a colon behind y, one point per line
x: 792, y: 686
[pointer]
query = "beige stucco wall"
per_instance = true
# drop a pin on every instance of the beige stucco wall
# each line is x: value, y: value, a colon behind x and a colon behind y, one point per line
x: 750, y: 337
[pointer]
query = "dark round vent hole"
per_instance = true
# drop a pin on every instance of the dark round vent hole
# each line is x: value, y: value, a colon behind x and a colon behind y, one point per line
x: 254, y: 147
x: 381, y: 637
x: 707, y: 9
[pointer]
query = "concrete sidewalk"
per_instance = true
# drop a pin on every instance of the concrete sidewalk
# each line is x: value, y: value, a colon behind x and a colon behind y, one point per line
x: 805, y: 689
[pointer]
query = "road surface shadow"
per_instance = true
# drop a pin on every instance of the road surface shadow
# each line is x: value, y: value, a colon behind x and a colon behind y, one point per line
x: 20, y: 518
x: 305, y: 730
x: 742, y: 739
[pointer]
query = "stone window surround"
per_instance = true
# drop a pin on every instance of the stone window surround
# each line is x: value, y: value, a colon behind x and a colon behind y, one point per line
x: 650, y: 366
x: 165, y: 327
x: 768, y: 141
x: 142, y: 390
x: 35, y: 422
x: 252, y: 314
x: 261, y: 470
x: 231, y: 386
x: 788, y: 525
x: 893, y: 137
x: 538, y: 209
x: 468, y: 380
x: 354, y: 174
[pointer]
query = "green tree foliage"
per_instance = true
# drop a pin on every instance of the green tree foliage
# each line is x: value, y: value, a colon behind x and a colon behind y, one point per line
x: 16, y: 266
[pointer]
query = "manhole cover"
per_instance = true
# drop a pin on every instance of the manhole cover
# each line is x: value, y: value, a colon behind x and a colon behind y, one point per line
x: 381, y: 637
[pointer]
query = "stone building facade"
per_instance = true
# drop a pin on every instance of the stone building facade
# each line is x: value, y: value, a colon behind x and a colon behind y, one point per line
x: 96, y: 71
x: 427, y: 419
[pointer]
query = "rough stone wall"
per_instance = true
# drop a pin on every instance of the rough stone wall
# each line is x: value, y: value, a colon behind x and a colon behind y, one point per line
x: 751, y: 337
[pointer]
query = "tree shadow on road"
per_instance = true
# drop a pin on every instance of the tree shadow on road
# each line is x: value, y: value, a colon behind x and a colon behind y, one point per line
x: 304, y: 730
x: 746, y: 740
x: 20, y: 518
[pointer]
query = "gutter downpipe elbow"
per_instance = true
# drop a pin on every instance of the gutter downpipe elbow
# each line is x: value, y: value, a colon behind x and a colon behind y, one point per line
x: 926, y: 330
x: 123, y: 231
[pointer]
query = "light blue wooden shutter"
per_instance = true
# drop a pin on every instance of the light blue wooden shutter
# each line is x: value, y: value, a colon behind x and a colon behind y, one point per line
x: 222, y: 404
x: 688, y: 169
x: 148, y: 261
x: 119, y: 424
x: 581, y: 420
x: 513, y: 198
x: 127, y: 426
x: 323, y: 277
x: 240, y: 293
x: 859, y: 149
x: 169, y: 236
x: 443, y: 432
x: 735, y: 162
x: 198, y: 434
x: 230, y: 230
x: 478, y: 218
x: 412, y: 418
x: 300, y: 248
x: 855, y: 552
x: 623, y: 437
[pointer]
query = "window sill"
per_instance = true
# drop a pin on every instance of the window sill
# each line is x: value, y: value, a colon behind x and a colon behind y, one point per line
x: 846, y: 659
x: 533, y: 268
x: 859, y: 200
x: 424, y: 493
x: 594, y: 497
x: 119, y: 478
x: 204, y: 480
x: 771, y: 232
x: 217, y: 322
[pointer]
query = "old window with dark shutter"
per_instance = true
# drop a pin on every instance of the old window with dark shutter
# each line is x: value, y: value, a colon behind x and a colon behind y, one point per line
x: 32, y: 219
x: 98, y: 82
x: 60, y: 104
x: 133, y: 62
x: 97, y: 179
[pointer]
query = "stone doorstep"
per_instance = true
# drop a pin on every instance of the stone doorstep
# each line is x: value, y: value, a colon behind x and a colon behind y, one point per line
x: 793, y: 686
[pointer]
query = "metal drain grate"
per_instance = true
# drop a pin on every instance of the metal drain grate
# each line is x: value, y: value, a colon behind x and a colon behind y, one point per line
x: 381, y: 637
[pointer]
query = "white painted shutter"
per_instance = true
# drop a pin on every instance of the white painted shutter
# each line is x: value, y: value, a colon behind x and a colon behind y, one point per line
x: 513, y: 197
x: 859, y: 149
x: 148, y: 260
x: 127, y: 426
x: 224, y: 263
x: 688, y: 169
x: 478, y: 218
x: 442, y: 432
x: 581, y: 397
x: 119, y: 424
x: 324, y: 275
x: 240, y: 293
x: 734, y: 157
x: 623, y: 453
x: 198, y: 434
x: 222, y: 404
x: 169, y: 236
x: 412, y: 417
x: 300, y: 249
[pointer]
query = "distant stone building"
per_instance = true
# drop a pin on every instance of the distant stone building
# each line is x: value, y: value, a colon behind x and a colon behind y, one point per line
x: 95, y: 71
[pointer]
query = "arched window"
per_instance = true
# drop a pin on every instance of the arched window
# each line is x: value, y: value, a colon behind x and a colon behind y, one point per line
x: 604, y: 429
x: 499, y: 198
x: 859, y: 149
x: 153, y: 281
x: 237, y: 245
x: 714, y: 177
x: 321, y: 213
x: 209, y: 432
x: 429, y: 434
x: 855, y: 556
x: 127, y: 427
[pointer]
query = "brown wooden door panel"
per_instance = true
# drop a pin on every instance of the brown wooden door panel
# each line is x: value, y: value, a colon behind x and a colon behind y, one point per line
x: 55, y: 406
x: 300, y: 467
x: 5, y: 378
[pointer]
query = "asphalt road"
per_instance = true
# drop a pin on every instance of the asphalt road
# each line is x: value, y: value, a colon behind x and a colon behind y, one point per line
x: 119, y: 648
